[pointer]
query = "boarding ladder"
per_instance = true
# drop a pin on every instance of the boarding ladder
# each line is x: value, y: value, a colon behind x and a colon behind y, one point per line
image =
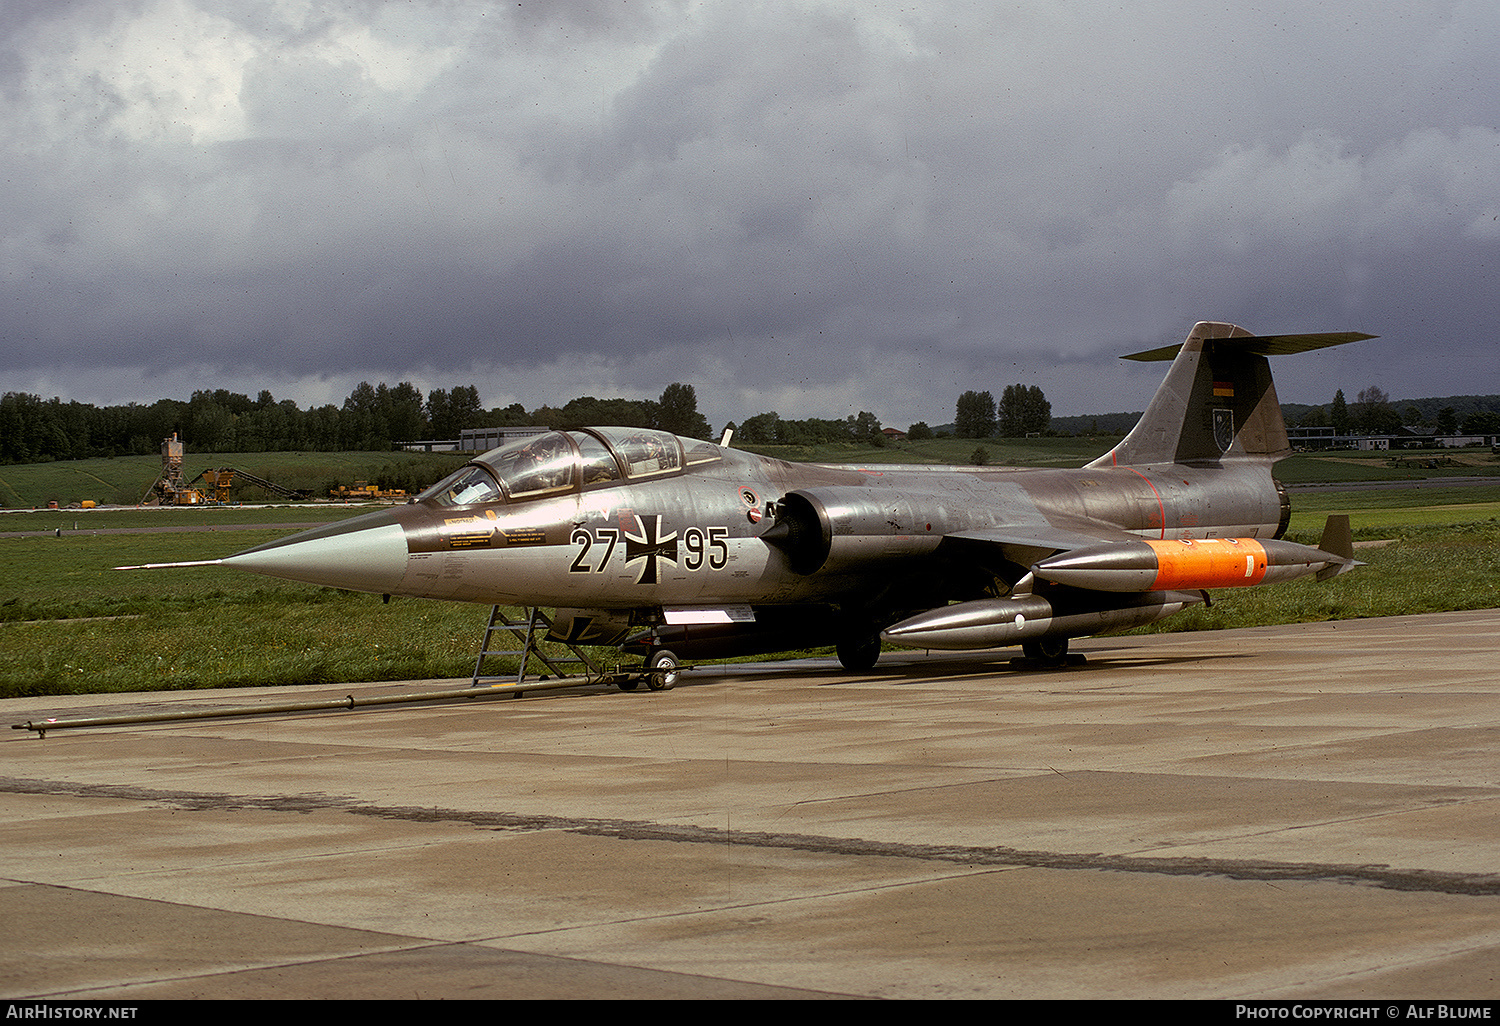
x: 529, y: 631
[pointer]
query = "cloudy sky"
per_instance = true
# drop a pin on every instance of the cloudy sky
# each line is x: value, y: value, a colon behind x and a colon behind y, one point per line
x: 809, y: 207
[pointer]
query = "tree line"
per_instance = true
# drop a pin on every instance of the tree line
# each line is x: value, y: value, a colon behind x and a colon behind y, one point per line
x: 1373, y: 413
x: 771, y: 429
x: 375, y: 417
x: 1023, y: 410
x: 372, y: 418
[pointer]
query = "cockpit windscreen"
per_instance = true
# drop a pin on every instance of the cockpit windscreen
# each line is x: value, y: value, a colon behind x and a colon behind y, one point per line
x: 556, y: 462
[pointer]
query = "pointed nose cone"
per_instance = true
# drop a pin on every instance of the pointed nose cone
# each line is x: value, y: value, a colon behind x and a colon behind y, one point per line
x: 367, y: 553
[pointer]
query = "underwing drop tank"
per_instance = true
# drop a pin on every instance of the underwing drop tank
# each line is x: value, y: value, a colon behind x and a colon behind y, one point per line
x: 998, y: 622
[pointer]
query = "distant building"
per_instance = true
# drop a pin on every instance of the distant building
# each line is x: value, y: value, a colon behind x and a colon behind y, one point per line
x: 1418, y: 437
x: 485, y: 439
x: 474, y: 439
x: 1314, y: 438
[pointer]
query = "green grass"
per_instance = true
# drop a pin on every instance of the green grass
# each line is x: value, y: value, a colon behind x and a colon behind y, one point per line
x: 85, y: 521
x: 1339, y: 467
x: 50, y: 578
x: 124, y: 480
x: 256, y: 638
x: 1377, y: 512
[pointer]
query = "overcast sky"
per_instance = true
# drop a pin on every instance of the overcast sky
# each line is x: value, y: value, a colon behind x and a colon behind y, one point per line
x: 808, y: 207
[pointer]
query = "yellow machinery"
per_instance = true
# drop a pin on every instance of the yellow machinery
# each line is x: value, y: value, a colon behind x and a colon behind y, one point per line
x: 365, y: 490
x: 170, y: 490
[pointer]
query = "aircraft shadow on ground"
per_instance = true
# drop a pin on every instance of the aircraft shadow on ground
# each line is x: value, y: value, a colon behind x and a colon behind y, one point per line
x: 1000, y: 665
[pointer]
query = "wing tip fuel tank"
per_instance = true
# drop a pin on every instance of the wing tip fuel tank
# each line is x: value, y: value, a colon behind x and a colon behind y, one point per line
x: 1167, y: 565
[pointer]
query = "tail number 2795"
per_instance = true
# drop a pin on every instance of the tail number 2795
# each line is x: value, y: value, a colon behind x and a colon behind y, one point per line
x: 700, y: 547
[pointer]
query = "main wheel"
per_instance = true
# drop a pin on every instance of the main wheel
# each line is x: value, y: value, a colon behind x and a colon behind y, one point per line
x: 662, y: 669
x: 1051, y: 651
x: 858, y: 652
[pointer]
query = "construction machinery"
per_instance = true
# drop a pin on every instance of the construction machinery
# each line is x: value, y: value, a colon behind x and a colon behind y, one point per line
x: 170, y: 489
x: 364, y: 490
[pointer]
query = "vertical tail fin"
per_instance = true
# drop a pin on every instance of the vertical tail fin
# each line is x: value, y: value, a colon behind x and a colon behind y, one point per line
x: 1218, y: 401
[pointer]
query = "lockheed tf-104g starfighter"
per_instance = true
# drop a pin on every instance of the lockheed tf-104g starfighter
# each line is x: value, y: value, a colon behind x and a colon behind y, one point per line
x: 679, y: 548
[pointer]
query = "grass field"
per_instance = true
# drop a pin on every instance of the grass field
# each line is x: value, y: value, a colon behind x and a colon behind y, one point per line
x: 1338, y: 467
x: 69, y: 624
x: 1376, y: 512
x: 124, y: 480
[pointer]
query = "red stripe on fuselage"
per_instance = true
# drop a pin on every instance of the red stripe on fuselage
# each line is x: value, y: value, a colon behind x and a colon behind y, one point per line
x: 1161, y: 506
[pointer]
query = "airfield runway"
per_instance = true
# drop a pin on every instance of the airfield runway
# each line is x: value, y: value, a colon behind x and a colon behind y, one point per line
x: 1291, y: 812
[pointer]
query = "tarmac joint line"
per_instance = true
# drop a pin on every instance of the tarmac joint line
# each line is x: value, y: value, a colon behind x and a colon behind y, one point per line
x: 1372, y: 875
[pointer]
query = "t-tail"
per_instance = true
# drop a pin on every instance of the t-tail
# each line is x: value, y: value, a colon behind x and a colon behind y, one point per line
x: 1217, y: 402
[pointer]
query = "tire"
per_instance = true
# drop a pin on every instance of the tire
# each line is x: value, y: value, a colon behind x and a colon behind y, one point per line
x: 858, y: 652
x: 1049, y: 651
x: 662, y: 670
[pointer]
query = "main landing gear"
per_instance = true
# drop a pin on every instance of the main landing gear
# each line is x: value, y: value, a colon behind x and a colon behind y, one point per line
x: 1047, y: 650
x: 858, y: 650
x: 1047, y: 654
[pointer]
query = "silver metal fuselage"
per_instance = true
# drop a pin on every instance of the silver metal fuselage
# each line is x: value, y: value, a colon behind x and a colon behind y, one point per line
x: 695, y: 538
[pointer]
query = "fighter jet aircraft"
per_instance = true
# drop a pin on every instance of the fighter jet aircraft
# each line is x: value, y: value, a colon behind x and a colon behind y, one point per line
x: 680, y: 548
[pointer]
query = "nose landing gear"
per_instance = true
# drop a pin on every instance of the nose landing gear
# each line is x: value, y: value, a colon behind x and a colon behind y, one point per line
x: 660, y: 672
x: 662, y: 669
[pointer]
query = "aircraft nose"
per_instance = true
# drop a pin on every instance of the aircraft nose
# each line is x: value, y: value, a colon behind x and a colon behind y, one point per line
x: 367, y: 553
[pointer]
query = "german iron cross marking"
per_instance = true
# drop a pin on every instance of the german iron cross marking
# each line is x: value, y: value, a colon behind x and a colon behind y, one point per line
x: 650, y: 545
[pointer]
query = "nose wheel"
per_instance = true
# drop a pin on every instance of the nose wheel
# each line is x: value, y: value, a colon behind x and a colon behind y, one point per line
x: 660, y: 672
x: 662, y: 669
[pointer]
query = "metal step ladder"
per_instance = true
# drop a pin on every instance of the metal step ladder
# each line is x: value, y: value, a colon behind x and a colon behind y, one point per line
x: 529, y: 631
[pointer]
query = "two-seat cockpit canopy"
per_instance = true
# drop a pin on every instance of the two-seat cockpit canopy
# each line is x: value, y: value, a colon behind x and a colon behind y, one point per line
x: 559, y: 462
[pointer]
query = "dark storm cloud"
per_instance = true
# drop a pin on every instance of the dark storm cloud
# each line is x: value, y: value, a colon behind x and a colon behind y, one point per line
x: 814, y: 208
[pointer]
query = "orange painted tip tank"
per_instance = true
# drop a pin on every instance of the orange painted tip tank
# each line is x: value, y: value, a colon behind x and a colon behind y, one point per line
x: 1185, y: 565
x: 1208, y: 563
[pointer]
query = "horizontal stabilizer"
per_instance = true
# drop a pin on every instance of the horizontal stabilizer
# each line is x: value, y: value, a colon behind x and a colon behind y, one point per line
x: 1265, y: 345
